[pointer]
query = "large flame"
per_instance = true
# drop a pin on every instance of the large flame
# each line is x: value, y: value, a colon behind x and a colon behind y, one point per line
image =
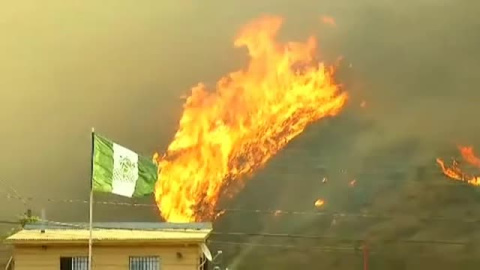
x: 252, y: 114
x: 456, y: 173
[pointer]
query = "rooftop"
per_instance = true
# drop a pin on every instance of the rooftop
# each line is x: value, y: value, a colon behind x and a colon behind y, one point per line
x: 154, y: 226
x: 109, y: 232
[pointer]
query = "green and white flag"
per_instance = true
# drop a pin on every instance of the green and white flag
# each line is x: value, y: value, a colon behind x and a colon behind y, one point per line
x: 121, y: 171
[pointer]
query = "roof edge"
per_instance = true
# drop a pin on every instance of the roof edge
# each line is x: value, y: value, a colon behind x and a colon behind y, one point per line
x: 145, y: 226
x: 104, y: 236
x: 28, y: 242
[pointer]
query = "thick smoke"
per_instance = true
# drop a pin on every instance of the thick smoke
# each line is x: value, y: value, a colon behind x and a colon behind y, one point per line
x: 67, y: 67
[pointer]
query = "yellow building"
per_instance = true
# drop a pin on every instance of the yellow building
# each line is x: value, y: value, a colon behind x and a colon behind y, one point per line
x: 145, y: 246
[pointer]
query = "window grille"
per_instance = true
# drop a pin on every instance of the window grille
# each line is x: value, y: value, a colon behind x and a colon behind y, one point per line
x: 145, y: 263
x: 74, y: 263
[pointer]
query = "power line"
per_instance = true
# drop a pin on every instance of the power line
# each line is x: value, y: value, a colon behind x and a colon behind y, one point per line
x: 271, y: 212
x: 355, y: 249
x: 10, y: 222
x: 322, y: 248
x: 16, y: 194
x: 273, y: 235
x: 343, y: 214
x: 10, y: 196
x: 301, y: 236
x: 266, y: 234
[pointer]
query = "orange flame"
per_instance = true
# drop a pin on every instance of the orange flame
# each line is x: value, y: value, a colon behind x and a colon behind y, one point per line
x: 469, y: 155
x: 454, y: 171
x: 226, y: 134
x: 328, y: 20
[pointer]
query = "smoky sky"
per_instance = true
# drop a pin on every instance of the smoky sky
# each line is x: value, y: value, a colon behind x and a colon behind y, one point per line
x: 123, y: 66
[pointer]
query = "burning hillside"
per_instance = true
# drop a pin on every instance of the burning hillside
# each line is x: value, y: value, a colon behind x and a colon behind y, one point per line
x: 226, y: 134
x: 455, y: 172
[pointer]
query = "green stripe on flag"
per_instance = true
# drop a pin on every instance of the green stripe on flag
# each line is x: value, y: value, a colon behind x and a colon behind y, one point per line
x: 148, y: 175
x: 121, y: 171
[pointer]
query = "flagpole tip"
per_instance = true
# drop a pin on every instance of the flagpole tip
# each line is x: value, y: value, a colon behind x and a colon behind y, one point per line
x: 93, y: 130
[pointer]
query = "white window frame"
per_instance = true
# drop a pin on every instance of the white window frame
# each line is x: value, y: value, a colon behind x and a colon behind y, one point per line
x: 144, y: 263
x: 78, y: 262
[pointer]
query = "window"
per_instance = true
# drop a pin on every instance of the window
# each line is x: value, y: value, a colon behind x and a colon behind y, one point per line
x: 145, y: 263
x: 73, y: 263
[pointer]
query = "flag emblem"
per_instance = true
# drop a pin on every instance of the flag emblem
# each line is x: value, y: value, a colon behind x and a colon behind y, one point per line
x: 125, y: 171
x: 121, y: 171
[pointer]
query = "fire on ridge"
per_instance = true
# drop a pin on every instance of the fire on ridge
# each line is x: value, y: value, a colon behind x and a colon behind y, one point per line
x: 227, y: 133
x: 455, y: 172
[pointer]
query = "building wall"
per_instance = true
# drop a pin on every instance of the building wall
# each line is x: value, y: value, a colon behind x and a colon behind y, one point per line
x: 106, y: 257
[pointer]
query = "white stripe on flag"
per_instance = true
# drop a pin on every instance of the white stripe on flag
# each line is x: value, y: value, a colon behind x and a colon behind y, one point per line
x: 125, y: 171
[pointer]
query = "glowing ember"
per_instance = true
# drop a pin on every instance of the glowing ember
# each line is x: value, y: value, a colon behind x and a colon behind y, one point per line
x: 328, y: 20
x: 454, y: 171
x: 220, y: 213
x: 353, y: 183
x: 319, y: 203
x: 226, y: 134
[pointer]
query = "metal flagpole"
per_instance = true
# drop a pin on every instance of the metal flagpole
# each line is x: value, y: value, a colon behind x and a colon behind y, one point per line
x: 91, y: 204
x: 90, y: 228
x: 365, y: 255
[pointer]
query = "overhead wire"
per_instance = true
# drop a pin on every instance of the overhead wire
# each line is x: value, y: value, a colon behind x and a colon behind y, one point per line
x: 12, y: 222
x: 322, y: 248
x: 263, y: 234
x: 354, y: 247
x: 379, y: 249
x: 15, y: 194
x: 273, y: 212
x: 302, y: 236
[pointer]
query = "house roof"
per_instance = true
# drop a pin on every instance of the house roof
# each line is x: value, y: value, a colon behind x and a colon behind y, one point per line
x: 121, y: 225
x: 120, y: 232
